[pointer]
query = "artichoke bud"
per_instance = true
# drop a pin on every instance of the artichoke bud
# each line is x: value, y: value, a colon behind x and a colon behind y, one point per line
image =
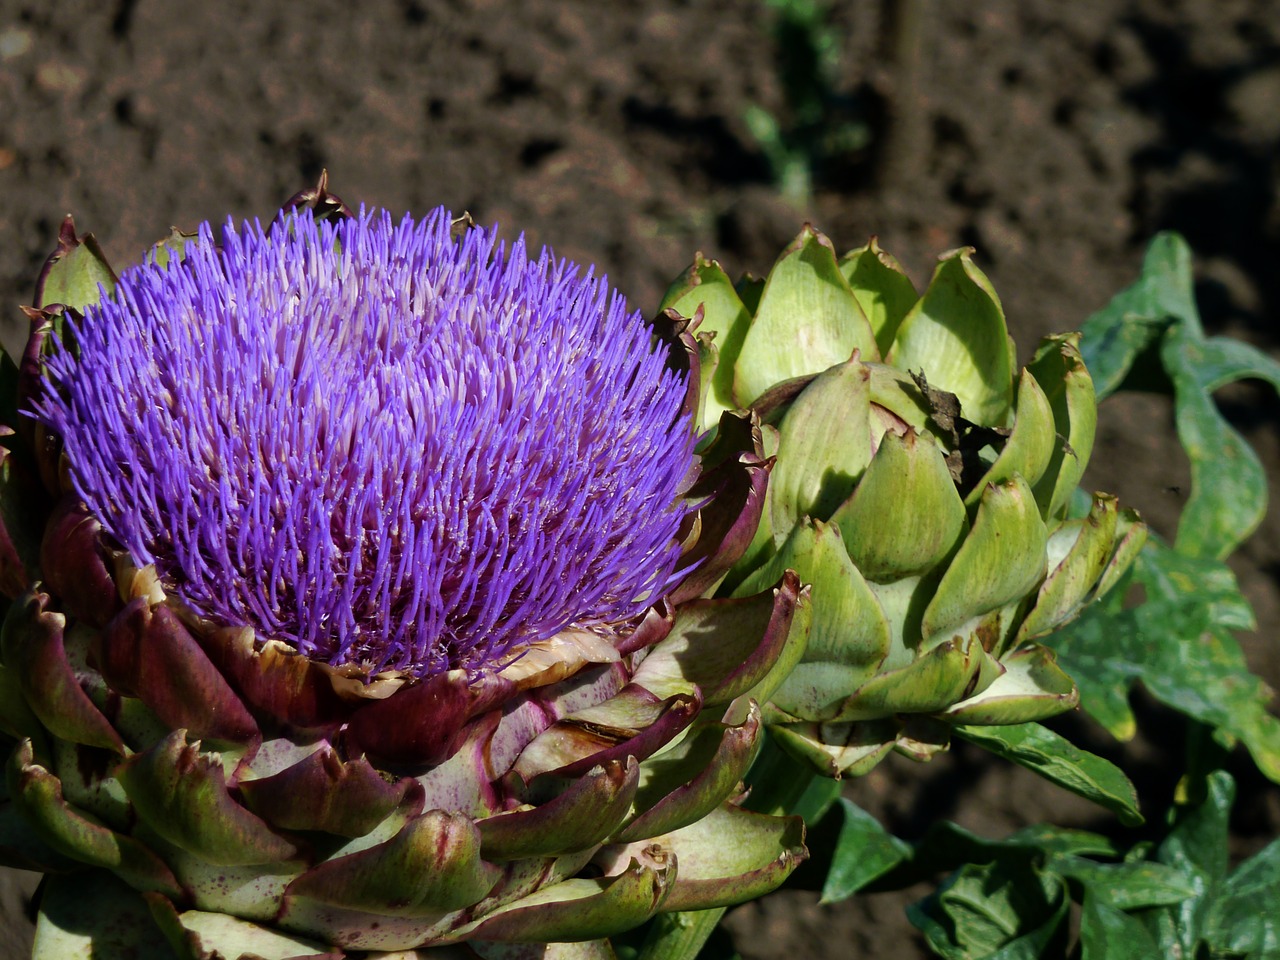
x: 398, y: 631
x: 921, y: 488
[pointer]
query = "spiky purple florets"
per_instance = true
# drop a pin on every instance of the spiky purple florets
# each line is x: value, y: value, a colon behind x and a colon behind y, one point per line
x: 381, y: 445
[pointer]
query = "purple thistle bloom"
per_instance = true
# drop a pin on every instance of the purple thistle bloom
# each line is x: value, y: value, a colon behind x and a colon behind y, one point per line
x: 378, y: 444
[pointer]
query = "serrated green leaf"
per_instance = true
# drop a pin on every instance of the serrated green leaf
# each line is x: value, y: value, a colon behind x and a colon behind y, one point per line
x: 1056, y: 759
x: 1004, y: 910
x: 1118, y: 341
x: 864, y: 851
x: 1228, y: 497
x: 1151, y: 335
x: 1179, y: 644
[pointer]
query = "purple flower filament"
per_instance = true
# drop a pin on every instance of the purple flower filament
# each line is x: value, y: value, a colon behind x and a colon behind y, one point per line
x: 379, y: 444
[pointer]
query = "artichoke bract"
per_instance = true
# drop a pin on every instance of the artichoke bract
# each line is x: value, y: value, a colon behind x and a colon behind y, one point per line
x: 354, y: 574
x: 922, y: 486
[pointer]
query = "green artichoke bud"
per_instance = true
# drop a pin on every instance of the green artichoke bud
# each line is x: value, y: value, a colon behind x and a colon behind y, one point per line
x: 922, y: 486
x: 368, y: 615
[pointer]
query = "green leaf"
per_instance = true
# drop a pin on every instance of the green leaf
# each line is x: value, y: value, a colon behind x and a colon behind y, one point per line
x: 1056, y: 759
x: 1228, y: 496
x: 679, y: 935
x: 1197, y: 846
x: 1156, y: 320
x: 947, y: 846
x: 1245, y: 916
x: 1132, y: 885
x: 1179, y: 644
x: 1005, y: 910
x: 864, y: 851
x: 1122, y: 335
x: 1107, y: 933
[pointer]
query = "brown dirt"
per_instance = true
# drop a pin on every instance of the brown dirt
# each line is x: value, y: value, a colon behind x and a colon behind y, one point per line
x: 1053, y: 137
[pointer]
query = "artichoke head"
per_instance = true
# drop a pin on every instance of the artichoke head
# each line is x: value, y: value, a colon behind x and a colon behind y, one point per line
x: 199, y: 787
x: 923, y: 485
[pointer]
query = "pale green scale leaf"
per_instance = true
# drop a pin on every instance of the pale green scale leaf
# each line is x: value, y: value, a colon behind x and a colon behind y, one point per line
x: 1071, y: 581
x: 849, y: 636
x: 1030, y: 448
x: 807, y: 321
x: 881, y: 287
x: 94, y: 914
x: 933, y: 682
x: 78, y: 278
x: 1032, y: 687
x: 705, y: 285
x: 1060, y: 371
x: 1002, y: 559
x: 824, y: 446
x: 956, y: 336
x: 905, y: 517
x: 173, y: 247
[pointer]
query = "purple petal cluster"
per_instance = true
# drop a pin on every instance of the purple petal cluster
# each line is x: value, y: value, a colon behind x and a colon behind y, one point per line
x: 380, y: 444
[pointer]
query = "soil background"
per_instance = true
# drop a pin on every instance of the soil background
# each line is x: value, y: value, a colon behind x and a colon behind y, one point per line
x: 1053, y: 137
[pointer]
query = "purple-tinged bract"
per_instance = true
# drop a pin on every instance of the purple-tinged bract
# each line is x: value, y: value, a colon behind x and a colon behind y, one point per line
x: 382, y: 445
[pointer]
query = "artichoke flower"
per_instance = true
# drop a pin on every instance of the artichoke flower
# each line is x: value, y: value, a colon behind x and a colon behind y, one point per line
x: 923, y: 486
x: 354, y: 574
